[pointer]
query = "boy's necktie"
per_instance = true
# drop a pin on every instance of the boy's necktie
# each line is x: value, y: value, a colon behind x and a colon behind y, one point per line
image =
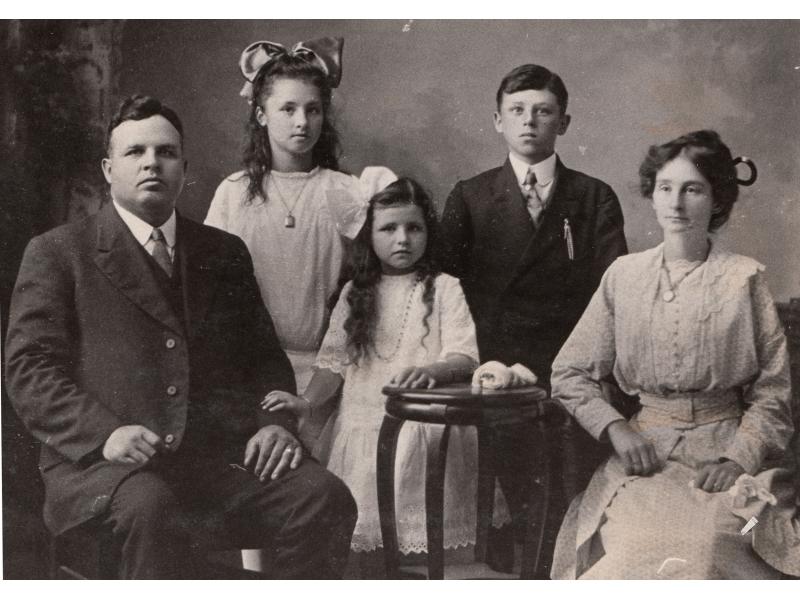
x: 535, y: 204
x: 160, y: 252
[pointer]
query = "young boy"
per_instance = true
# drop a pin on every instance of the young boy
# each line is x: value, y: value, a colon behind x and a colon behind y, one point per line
x: 529, y: 241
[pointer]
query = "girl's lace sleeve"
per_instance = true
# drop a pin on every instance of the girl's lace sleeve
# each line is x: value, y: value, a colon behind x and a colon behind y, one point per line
x: 332, y: 354
x: 458, y: 329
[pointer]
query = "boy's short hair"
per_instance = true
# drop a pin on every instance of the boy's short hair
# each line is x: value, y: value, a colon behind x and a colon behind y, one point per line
x: 533, y: 77
x: 137, y: 108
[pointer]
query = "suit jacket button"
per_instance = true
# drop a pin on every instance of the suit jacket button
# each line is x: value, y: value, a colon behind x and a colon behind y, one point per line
x: 172, y: 390
x: 169, y: 438
x: 170, y: 343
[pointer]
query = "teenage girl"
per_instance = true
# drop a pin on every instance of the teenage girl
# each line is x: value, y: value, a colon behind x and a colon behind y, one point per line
x: 291, y: 205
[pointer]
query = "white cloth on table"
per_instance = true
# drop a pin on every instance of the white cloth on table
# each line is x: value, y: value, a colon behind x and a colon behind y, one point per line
x: 353, y: 453
x: 297, y: 268
x: 719, y: 335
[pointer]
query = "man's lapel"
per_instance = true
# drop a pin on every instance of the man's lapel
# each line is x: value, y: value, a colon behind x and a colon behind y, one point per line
x: 509, y: 210
x: 198, y: 271
x: 121, y: 258
x: 564, y: 205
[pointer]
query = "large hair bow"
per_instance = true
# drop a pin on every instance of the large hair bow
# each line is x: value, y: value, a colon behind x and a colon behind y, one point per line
x: 323, y: 53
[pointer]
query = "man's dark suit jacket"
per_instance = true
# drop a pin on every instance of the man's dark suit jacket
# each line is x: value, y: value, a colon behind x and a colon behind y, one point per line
x: 94, y: 344
x: 525, y: 293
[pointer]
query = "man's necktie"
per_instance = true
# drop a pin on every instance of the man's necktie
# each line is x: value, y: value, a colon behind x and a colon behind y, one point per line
x: 160, y: 252
x: 535, y: 204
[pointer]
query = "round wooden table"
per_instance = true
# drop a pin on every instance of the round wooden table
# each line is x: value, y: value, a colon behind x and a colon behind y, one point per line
x: 462, y: 405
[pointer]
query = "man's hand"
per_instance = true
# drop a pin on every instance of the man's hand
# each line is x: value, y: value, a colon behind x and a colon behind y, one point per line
x: 637, y: 452
x: 271, y: 451
x: 132, y: 444
x: 719, y: 477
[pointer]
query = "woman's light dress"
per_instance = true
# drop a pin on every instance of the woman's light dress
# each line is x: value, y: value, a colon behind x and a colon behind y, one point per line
x: 711, y: 370
x: 297, y: 268
x: 400, y: 338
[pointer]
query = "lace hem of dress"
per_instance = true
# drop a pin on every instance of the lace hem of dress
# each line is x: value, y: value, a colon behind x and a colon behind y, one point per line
x: 737, y: 272
x: 413, y: 537
x: 367, y: 544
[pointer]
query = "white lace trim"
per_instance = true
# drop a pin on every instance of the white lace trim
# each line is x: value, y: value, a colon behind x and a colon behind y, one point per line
x: 736, y: 270
x: 412, y: 535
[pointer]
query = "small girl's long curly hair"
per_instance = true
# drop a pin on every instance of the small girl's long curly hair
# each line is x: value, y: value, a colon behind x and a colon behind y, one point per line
x: 360, y: 324
x: 257, y: 154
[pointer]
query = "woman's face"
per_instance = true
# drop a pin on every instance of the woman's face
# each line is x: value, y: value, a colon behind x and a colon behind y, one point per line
x: 682, y: 197
x: 293, y: 114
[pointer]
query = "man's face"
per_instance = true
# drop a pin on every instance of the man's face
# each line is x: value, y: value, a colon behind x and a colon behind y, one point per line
x: 530, y: 121
x: 145, y: 168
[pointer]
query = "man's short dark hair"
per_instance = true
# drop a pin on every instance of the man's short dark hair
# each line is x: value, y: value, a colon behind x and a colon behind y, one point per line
x: 533, y: 77
x: 137, y: 108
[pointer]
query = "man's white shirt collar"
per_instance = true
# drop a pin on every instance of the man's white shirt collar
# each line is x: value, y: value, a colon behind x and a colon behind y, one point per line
x: 545, y: 170
x: 141, y: 230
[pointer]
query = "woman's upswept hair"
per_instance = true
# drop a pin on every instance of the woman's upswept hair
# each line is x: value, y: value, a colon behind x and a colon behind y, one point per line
x: 710, y: 156
x: 360, y: 324
x: 257, y: 154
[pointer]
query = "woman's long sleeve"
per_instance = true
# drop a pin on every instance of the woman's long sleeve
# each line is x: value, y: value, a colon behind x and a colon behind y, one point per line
x: 586, y: 359
x: 766, y: 425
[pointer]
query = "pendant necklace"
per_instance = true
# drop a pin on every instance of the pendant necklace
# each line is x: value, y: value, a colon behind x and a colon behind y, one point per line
x: 289, y: 221
x: 669, y: 295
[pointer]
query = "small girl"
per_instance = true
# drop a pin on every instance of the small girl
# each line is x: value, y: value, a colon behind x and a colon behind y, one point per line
x: 399, y: 322
x: 291, y: 205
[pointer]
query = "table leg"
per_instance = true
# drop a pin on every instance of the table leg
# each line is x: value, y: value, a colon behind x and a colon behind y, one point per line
x: 538, y: 549
x: 387, y: 445
x: 485, y: 495
x: 434, y: 498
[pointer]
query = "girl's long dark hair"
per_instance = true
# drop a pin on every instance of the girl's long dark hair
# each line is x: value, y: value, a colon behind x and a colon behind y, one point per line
x: 257, y: 158
x: 360, y: 324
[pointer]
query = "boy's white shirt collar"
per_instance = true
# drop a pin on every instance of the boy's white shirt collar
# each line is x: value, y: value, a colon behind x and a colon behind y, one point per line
x: 545, y: 170
x: 141, y: 230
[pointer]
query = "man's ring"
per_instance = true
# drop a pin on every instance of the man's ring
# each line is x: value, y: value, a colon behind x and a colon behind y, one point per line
x: 288, y: 449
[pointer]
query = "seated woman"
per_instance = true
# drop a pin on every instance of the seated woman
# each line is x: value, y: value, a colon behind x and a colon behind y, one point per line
x: 692, y: 330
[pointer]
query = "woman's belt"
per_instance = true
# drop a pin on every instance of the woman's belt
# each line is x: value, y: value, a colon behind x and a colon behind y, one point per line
x: 688, y: 409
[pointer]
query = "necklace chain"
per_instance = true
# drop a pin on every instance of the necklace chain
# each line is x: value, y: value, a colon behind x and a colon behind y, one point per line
x: 669, y: 295
x: 289, y: 216
x: 396, y: 348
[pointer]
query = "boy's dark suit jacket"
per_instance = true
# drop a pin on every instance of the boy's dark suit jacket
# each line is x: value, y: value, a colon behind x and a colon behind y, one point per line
x: 94, y: 344
x: 525, y: 293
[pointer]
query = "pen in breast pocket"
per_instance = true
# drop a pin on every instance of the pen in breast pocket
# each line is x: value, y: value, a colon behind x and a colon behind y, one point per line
x: 568, y: 239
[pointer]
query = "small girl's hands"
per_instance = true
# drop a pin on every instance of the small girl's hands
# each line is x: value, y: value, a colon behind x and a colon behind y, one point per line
x: 280, y: 400
x: 414, y: 377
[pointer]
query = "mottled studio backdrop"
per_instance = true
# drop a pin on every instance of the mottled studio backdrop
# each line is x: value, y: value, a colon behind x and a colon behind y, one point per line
x: 418, y: 97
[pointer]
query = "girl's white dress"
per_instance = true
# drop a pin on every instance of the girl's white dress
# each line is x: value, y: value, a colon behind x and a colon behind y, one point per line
x: 710, y: 367
x: 297, y: 268
x: 400, y: 339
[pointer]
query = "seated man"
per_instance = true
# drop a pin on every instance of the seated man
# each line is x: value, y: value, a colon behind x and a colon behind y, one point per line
x: 138, y: 350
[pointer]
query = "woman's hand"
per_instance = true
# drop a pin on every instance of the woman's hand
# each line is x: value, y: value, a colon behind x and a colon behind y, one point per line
x: 414, y: 377
x: 280, y: 400
x: 718, y: 477
x: 637, y: 452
